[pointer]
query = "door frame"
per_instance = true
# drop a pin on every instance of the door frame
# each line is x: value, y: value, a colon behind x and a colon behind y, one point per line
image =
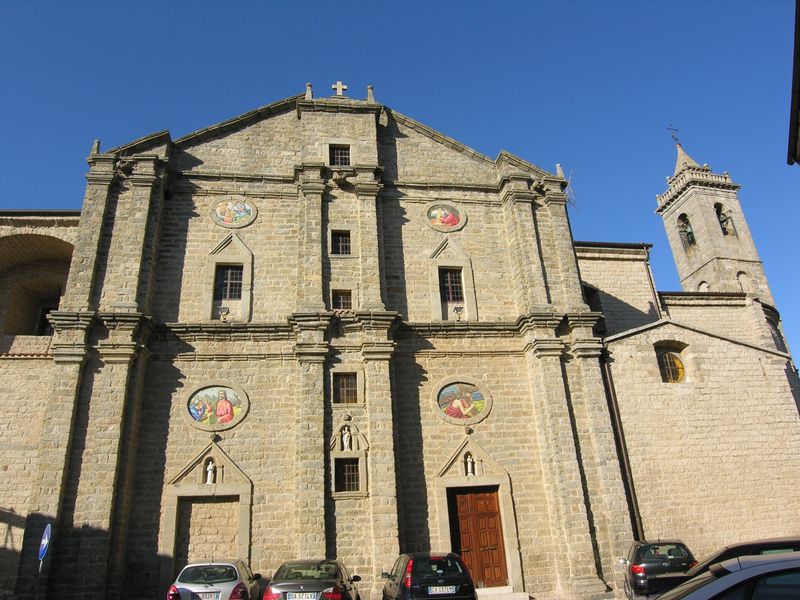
x: 508, y: 519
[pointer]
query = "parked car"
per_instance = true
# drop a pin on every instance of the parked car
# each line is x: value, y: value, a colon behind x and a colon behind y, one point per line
x: 312, y: 580
x: 217, y: 580
x: 427, y: 575
x: 646, y: 559
x: 765, y: 577
x: 662, y: 583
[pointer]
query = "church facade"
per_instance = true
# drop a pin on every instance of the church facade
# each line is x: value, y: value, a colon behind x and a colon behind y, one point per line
x: 323, y: 329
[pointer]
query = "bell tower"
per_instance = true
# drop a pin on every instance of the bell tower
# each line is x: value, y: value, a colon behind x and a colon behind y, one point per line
x: 708, y: 234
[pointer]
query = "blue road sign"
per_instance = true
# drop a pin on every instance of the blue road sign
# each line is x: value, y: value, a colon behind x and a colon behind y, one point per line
x: 45, y: 541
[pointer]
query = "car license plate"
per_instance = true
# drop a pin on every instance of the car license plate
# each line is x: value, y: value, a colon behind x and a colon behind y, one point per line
x: 442, y: 589
x: 301, y: 596
x: 208, y: 595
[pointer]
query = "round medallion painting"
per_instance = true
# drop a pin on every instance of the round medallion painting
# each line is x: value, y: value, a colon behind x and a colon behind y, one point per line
x: 216, y: 407
x: 234, y: 212
x: 462, y: 403
x: 445, y: 217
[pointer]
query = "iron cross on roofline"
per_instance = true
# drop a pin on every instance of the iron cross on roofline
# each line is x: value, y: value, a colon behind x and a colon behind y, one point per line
x: 339, y: 87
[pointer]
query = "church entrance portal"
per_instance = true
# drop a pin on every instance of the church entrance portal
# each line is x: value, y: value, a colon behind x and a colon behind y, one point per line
x: 476, y: 533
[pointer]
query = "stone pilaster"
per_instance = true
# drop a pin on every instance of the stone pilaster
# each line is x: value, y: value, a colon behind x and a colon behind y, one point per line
x: 377, y: 354
x: 97, y: 460
x: 371, y: 283
x: 311, y: 351
x: 575, y: 568
x: 309, y: 280
x: 128, y: 270
x: 80, y: 285
x: 70, y: 351
x: 601, y: 469
x: 523, y: 242
x: 565, y: 286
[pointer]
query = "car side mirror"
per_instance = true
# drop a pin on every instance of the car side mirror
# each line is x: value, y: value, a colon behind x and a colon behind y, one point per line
x: 385, y: 575
x: 256, y: 575
x: 355, y: 578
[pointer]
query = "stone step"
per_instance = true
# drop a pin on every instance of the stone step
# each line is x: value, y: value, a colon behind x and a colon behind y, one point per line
x: 505, y: 592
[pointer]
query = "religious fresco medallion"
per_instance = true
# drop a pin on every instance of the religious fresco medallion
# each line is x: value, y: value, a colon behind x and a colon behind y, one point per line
x: 462, y: 403
x: 445, y: 217
x: 234, y: 212
x: 216, y: 407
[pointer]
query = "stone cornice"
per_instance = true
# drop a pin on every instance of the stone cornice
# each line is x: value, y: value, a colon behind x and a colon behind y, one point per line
x: 586, y: 347
x: 234, y: 176
x: 338, y: 105
x: 545, y: 347
x: 377, y: 350
x: 457, y: 329
x: 64, y: 320
x: 700, y: 176
x: 218, y: 331
x: 313, y: 352
x: 69, y: 353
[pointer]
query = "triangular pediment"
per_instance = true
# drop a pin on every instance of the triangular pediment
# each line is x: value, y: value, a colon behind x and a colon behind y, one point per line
x: 471, y: 460
x: 223, y: 470
x: 231, y: 244
x: 449, y: 248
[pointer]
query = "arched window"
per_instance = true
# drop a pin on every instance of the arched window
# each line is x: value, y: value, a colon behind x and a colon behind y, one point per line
x: 725, y: 219
x: 703, y: 286
x: 670, y: 362
x: 686, y: 232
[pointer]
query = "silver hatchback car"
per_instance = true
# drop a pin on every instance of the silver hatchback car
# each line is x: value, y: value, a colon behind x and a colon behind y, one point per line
x: 217, y: 580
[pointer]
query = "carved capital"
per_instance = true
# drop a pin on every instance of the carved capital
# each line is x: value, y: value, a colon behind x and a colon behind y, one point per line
x: 65, y: 353
x: 542, y: 348
x: 311, y: 352
x: 586, y: 347
x: 377, y: 350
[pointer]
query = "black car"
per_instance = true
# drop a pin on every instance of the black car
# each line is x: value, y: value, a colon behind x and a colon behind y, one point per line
x: 662, y: 583
x: 648, y: 559
x: 428, y: 576
x: 312, y: 580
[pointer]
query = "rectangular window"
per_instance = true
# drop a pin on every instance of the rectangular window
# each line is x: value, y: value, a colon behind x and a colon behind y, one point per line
x: 340, y: 242
x: 345, y: 388
x: 346, y: 475
x: 228, y: 282
x: 450, y: 287
x: 341, y: 299
x: 340, y: 156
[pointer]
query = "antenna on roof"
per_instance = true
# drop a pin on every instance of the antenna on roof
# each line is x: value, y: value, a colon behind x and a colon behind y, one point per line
x: 569, y: 191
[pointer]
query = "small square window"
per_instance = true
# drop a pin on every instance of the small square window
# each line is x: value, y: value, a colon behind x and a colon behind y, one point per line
x: 339, y: 156
x: 340, y: 242
x: 345, y: 388
x: 228, y: 282
x: 346, y: 475
x: 342, y: 299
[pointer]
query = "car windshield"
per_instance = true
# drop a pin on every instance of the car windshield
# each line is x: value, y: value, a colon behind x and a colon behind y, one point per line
x: 321, y: 570
x: 689, y: 586
x: 437, y: 565
x: 662, y: 551
x: 208, y: 574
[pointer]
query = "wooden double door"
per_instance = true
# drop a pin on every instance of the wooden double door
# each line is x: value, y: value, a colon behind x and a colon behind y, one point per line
x: 476, y: 533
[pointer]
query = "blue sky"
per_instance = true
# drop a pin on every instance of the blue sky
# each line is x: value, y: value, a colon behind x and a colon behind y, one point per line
x: 592, y: 85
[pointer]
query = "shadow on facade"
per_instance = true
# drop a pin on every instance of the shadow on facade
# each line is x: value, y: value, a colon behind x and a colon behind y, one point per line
x: 413, y: 512
x: 178, y: 212
x: 59, y: 577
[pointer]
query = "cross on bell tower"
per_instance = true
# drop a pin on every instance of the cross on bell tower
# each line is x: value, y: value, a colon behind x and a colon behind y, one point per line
x: 339, y: 87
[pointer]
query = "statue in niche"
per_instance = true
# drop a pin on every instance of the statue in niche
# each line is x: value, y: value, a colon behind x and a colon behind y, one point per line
x: 347, y: 438
x: 469, y: 464
x: 211, y: 472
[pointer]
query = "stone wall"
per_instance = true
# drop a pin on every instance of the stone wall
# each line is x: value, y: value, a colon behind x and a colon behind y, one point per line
x: 621, y: 275
x: 714, y: 458
x: 24, y: 399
